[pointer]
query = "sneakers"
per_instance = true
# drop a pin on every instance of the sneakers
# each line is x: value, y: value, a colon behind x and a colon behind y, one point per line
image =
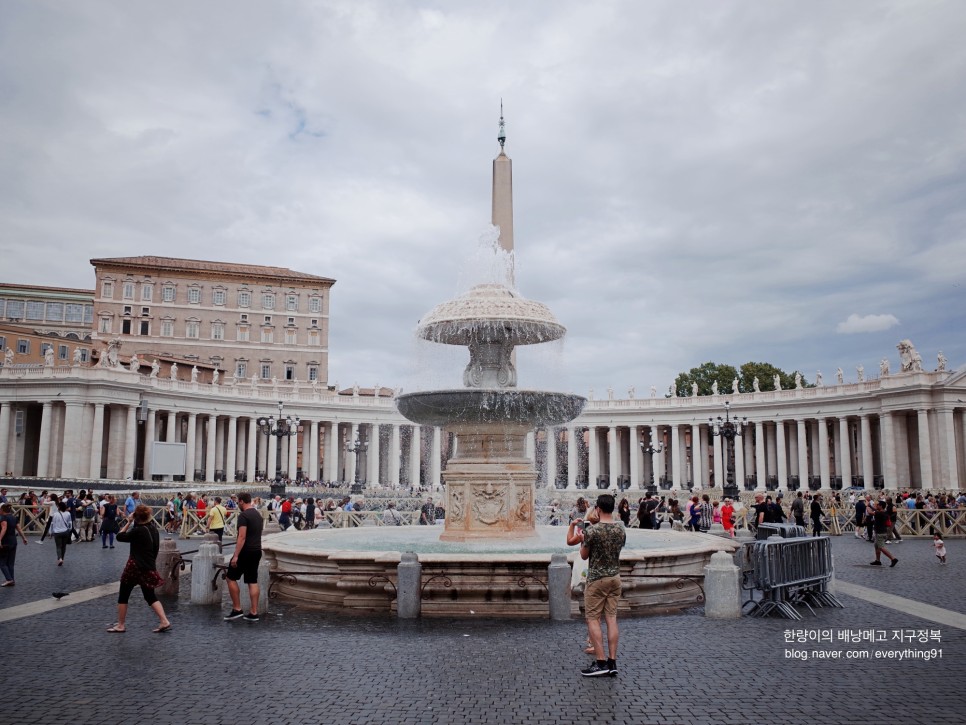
x: 612, y: 666
x: 894, y: 562
x: 234, y: 614
x: 599, y: 668
x: 251, y: 618
x: 875, y: 563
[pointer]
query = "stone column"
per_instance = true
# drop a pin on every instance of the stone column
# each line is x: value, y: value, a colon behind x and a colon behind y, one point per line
x: 414, y: 455
x: 293, y: 455
x: 571, y: 457
x: 130, y: 440
x: 97, y: 441
x: 551, y: 466
x: 925, y: 449
x: 634, y: 450
x: 676, y: 469
x: 210, y: 435
x: 760, y: 470
x: 5, y: 415
x: 658, y: 460
x: 373, y: 472
x: 241, y: 447
x: 613, y: 461
x: 530, y: 446
x: 311, y: 445
x: 867, y: 465
x: 739, y: 462
x: 150, y: 433
x: 697, y: 456
x: 220, y: 425
x: 251, y: 450
x: 823, y: 452
x: 802, y: 454
x: 170, y: 427
x: 720, y: 477
x: 43, y: 452
x: 845, y: 463
x: 395, y: 455
x: 593, y: 462
x: 782, y: 453
x: 887, y: 440
x: 73, y: 425
x: 191, y: 445
x: 232, y: 443
x: 351, y: 460
x: 947, y: 439
x: 435, y: 466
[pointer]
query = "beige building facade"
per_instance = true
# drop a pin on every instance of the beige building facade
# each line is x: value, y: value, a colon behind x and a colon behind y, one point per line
x: 248, y: 321
x: 35, y: 319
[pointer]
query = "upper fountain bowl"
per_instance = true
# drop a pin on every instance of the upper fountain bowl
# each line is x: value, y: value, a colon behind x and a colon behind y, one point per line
x: 490, y: 313
x: 472, y: 406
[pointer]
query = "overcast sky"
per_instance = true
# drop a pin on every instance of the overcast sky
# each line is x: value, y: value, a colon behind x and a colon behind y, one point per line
x: 693, y: 181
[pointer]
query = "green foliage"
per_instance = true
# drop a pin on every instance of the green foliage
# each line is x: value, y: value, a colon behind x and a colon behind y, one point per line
x: 705, y: 375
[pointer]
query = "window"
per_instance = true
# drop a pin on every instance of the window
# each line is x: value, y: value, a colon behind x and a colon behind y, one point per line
x: 268, y: 319
x: 244, y: 317
x: 127, y: 309
x: 145, y: 311
x: 289, y: 371
x: 88, y: 314
x: 15, y: 309
x: 266, y: 371
x: 291, y: 321
x: 35, y: 310
x: 125, y: 327
x: 290, y: 336
x: 3, y: 344
x: 192, y: 329
x: 315, y: 322
x: 241, y: 369
x: 23, y: 347
x: 76, y: 313
x: 3, y: 304
x: 167, y: 328
x: 267, y: 334
x: 217, y: 330
x: 314, y: 337
x: 44, y: 347
x: 167, y: 293
x: 243, y: 334
x: 147, y: 291
x: 291, y: 302
x: 244, y: 299
x: 85, y: 354
x: 62, y: 352
x: 55, y: 311
x: 128, y: 290
x: 194, y: 295
x: 315, y: 304
x: 268, y: 301
x: 313, y: 373
x: 218, y: 297
x: 145, y: 328
x: 105, y: 325
x: 107, y: 290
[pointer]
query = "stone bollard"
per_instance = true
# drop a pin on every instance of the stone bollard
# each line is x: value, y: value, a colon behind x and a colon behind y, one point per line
x: 744, y: 535
x: 558, y: 586
x: 264, y: 582
x: 722, y: 590
x: 324, y: 524
x: 678, y: 526
x: 168, y: 555
x: 409, y: 574
x: 718, y: 530
x: 202, y: 572
x: 212, y: 539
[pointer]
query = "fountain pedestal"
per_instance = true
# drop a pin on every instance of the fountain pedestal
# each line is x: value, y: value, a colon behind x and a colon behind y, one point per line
x: 489, y: 484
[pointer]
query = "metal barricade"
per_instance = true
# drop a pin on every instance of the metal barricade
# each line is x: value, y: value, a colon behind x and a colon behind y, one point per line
x: 788, y: 572
x: 786, y: 531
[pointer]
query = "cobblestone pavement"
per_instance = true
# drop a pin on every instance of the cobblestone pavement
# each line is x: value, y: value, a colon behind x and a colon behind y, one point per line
x: 305, y: 667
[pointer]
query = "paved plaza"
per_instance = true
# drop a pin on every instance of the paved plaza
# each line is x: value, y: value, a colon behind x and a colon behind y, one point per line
x: 305, y: 667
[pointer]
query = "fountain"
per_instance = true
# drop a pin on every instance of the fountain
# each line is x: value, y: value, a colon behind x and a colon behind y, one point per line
x: 491, y: 558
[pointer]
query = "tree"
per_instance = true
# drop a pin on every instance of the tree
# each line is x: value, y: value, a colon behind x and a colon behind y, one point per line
x: 705, y: 376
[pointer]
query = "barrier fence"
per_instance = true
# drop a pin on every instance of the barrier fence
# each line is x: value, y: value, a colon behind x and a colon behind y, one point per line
x: 788, y: 572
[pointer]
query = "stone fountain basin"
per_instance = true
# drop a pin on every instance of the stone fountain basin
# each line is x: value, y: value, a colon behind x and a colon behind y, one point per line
x: 486, y: 405
x: 354, y: 570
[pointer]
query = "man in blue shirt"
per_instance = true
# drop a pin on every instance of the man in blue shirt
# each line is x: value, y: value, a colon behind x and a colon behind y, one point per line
x: 132, y: 503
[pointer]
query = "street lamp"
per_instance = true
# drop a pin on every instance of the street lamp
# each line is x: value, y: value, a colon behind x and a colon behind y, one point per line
x: 649, y: 449
x: 356, y: 448
x: 728, y: 429
x: 280, y: 427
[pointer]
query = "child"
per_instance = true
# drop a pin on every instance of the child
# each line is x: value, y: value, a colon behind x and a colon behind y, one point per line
x: 940, y: 548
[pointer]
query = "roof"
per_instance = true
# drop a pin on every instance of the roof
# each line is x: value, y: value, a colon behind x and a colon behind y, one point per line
x: 32, y: 290
x: 174, y: 264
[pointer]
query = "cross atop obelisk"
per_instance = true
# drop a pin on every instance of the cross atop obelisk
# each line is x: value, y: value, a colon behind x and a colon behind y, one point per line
x: 503, y: 193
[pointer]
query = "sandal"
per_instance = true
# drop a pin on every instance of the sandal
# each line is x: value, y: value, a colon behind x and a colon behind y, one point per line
x: 165, y: 628
x: 113, y: 629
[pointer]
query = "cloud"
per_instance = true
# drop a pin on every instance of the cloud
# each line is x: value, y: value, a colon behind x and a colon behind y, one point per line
x: 866, y: 323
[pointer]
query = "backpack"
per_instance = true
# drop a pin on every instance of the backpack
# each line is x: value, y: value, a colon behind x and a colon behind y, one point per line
x: 89, y: 512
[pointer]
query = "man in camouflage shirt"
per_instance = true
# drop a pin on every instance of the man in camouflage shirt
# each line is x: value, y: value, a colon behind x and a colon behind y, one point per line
x: 602, y: 546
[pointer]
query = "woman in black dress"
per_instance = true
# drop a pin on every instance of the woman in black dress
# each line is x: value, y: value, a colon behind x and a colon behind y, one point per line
x: 141, y: 569
x: 816, y: 515
x: 108, y: 521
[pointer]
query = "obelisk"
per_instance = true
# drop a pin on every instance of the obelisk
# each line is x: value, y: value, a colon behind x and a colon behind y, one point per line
x: 503, y: 196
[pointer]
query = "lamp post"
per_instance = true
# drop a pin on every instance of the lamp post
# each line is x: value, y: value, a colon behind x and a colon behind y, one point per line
x: 356, y: 448
x: 649, y: 449
x: 280, y: 427
x: 728, y: 429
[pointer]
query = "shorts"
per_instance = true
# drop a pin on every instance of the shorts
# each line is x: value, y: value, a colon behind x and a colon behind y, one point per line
x: 601, y: 597
x: 247, y: 566
x: 880, y: 540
